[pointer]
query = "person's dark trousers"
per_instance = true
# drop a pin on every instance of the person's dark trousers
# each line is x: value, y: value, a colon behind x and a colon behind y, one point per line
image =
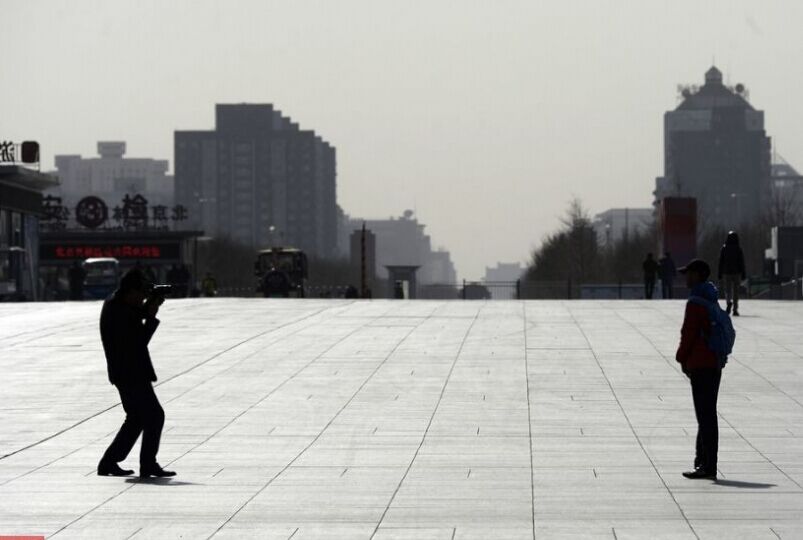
x: 143, y: 414
x: 704, y: 390
x: 649, y: 288
x: 666, y: 288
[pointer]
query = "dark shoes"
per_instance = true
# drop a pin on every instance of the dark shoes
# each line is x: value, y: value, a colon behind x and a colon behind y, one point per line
x: 154, y: 470
x: 112, y: 469
x: 735, y: 312
x: 700, y: 474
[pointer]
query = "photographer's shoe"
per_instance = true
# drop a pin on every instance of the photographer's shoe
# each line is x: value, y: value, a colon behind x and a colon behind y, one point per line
x: 700, y: 474
x: 112, y: 469
x: 154, y: 470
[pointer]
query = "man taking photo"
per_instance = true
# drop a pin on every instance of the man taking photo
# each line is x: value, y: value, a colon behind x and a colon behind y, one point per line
x: 127, y: 323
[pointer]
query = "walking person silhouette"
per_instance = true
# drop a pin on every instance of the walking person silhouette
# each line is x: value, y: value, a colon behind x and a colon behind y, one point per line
x: 127, y: 323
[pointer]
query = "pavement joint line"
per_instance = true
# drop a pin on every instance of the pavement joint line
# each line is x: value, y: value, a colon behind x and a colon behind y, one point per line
x: 431, y: 418
x: 722, y: 416
x: 529, y: 415
x: 55, y: 330
x: 117, y: 404
x: 273, y: 390
x: 318, y: 436
x: 133, y: 534
x: 51, y: 462
x: 629, y: 423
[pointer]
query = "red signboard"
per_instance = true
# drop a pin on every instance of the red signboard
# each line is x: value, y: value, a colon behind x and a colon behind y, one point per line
x: 121, y: 251
x: 118, y: 252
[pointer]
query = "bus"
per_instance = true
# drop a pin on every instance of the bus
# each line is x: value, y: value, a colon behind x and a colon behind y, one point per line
x: 281, y: 272
x: 102, y: 277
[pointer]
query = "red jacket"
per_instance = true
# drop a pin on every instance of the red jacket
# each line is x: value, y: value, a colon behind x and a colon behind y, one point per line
x: 693, y: 353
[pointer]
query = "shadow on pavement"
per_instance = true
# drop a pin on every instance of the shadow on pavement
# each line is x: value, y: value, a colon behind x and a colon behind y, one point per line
x: 745, y: 485
x: 160, y: 482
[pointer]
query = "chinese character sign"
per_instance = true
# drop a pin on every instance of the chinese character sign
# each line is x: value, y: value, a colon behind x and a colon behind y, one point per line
x: 28, y: 151
x: 7, y: 151
x: 135, y: 212
x: 55, y: 214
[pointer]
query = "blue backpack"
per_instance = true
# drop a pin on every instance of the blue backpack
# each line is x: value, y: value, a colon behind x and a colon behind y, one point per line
x: 722, y: 336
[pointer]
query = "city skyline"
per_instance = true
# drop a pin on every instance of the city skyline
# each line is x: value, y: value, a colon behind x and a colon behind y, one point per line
x: 510, y: 112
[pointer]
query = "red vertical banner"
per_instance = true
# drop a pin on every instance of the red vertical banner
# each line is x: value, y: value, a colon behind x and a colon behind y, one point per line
x: 679, y: 228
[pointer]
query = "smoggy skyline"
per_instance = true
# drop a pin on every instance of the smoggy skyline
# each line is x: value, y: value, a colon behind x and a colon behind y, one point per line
x: 486, y: 118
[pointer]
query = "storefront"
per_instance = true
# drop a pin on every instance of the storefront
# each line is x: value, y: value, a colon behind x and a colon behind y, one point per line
x: 20, y: 209
x: 154, y: 251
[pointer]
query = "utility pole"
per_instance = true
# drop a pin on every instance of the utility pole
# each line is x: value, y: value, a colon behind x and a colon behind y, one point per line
x: 363, y: 287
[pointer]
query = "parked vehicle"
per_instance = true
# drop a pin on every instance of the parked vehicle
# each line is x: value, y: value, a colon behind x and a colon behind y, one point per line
x: 281, y: 272
x: 102, y: 277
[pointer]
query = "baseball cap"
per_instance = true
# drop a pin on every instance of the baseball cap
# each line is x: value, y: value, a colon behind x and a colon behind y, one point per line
x: 697, y: 265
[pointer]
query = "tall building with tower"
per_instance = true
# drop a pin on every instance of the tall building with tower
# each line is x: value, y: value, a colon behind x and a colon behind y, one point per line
x: 258, y: 179
x: 716, y: 151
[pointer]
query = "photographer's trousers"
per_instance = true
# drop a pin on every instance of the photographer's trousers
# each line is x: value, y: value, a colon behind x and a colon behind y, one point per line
x: 143, y: 414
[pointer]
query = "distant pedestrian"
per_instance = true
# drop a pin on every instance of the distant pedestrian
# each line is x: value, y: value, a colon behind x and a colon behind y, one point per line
x: 209, y: 285
x: 398, y: 290
x: 172, y: 275
x: 731, y: 271
x: 150, y: 274
x: 76, y: 276
x: 650, y: 267
x: 702, y: 353
x: 667, y: 273
x: 351, y: 292
x: 127, y: 323
x: 183, y: 286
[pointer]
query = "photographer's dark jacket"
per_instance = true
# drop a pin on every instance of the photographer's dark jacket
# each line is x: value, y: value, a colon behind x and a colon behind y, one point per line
x: 126, y: 332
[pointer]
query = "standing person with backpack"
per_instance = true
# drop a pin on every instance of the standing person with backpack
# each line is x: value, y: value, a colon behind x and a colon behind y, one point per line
x: 706, y: 340
x: 731, y: 270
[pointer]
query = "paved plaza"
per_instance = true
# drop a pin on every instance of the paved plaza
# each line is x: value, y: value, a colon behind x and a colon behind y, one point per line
x: 298, y: 419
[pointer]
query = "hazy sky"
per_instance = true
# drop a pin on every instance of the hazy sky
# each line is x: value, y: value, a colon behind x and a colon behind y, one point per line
x: 486, y: 117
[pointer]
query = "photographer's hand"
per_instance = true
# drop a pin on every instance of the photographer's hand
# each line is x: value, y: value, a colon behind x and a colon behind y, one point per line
x: 152, y: 306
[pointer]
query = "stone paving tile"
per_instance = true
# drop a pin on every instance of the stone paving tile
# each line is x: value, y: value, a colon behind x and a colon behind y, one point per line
x: 397, y: 420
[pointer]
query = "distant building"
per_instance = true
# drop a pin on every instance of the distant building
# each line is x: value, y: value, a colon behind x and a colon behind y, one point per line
x: 617, y: 224
x: 716, y: 150
x: 504, y: 272
x: 259, y: 180
x: 402, y: 241
x: 346, y: 225
x: 111, y: 177
x: 786, y: 252
x: 786, y: 201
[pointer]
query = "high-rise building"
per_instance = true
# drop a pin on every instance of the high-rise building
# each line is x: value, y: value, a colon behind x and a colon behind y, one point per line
x: 716, y: 150
x: 111, y: 177
x: 259, y: 180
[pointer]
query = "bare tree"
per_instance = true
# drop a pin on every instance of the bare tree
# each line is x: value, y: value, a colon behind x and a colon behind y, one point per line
x: 785, y: 204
